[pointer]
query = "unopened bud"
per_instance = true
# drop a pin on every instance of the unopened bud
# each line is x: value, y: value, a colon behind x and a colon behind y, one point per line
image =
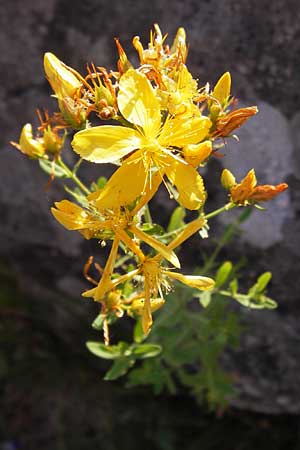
x: 227, y: 179
x: 62, y: 78
x: 34, y: 148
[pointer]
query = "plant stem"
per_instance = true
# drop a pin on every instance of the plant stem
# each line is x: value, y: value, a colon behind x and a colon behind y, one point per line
x: 227, y: 207
x: 74, y: 177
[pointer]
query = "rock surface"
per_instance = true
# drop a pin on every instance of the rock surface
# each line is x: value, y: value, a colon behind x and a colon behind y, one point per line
x: 262, y: 52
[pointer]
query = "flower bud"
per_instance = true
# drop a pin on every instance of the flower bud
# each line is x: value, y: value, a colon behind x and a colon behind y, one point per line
x: 227, y: 179
x: 34, y: 148
x: 61, y: 77
x: 137, y: 306
x: 52, y: 141
x: 221, y: 90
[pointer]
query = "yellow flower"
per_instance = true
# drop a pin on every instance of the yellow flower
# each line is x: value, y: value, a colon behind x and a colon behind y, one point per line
x: 247, y: 192
x: 109, y: 224
x: 153, y: 146
x: 155, y: 277
x: 155, y: 280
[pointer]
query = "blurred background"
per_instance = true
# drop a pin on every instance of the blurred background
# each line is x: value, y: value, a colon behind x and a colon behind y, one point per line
x: 52, y: 393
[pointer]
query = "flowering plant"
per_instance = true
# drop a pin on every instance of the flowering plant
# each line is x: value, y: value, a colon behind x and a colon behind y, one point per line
x: 163, y: 127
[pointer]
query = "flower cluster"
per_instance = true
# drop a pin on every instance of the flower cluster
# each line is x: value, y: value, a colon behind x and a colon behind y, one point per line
x: 163, y: 127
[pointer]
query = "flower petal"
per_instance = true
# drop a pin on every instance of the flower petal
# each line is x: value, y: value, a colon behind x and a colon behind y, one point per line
x: 138, y: 103
x: 188, y: 182
x: 194, y: 281
x: 72, y: 216
x: 106, y: 143
x: 124, y: 186
x: 168, y: 254
x: 177, y: 132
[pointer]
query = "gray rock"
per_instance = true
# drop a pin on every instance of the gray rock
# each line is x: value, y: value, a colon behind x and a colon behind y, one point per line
x: 264, y: 144
x: 262, y: 52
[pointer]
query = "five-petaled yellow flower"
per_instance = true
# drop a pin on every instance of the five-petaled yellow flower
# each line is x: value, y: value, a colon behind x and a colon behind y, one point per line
x: 147, y: 146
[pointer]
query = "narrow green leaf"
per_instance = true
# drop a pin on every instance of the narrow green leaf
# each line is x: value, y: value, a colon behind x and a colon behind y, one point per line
x: 263, y: 280
x: 177, y: 219
x: 119, y: 368
x: 233, y: 286
x: 52, y: 169
x: 138, y: 333
x: 98, y: 322
x: 223, y: 273
x: 104, y: 351
x: 245, y: 215
x: 142, y: 351
x: 205, y: 298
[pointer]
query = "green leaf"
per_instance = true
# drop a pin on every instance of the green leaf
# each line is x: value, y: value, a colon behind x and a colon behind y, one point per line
x: 142, y: 351
x: 268, y: 302
x: 233, y: 286
x: 78, y: 195
x: 177, y: 219
x: 138, y: 333
x: 51, y: 168
x: 223, y: 273
x: 98, y: 322
x: 105, y: 351
x: 152, y: 229
x: 119, y: 368
x: 245, y: 215
x: 205, y: 298
x: 262, y: 281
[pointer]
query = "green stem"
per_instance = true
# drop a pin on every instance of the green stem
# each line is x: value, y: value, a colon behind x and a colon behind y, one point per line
x: 147, y: 214
x: 227, y: 207
x: 73, y: 176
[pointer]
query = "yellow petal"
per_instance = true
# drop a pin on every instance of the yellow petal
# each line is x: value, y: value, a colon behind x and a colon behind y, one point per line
x: 124, y: 186
x: 190, y: 229
x: 194, y: 281
x: 71, y: 216
x: 179, y: 44
x: 178, y: 131
x: 188, y: 182
x: 138, y: 103
x: 222, y: 89
x: 28, y: 145
x: 105, y: 283
x: 195, y: 154
x: 63, y: 81
x: 106, y: 143
x: 147, y: 316
x: 242, y: 191
x: 168, y: 254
